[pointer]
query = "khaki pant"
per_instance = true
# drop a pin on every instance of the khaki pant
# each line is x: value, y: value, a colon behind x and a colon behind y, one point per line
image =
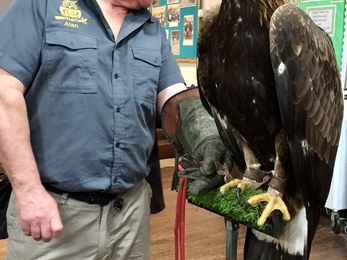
x: 91, y: 232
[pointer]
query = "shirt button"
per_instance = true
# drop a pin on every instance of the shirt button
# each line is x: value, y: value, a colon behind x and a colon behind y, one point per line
x: 117, y: 144
x: 118, y: 109
x: 116, y: 76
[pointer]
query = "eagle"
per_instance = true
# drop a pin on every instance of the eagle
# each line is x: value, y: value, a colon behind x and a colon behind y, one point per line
x: 269, y: 77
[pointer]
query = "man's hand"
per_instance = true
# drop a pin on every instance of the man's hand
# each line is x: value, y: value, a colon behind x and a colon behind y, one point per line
x: 207, y: 165
x: 37, y: 210
x: 38, y: 213
x: 193, y: 133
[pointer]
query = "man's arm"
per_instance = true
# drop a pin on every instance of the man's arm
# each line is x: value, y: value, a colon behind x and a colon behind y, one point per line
x: 167, y: 93
x: 37, y: 210
x: 15, y: 150
x: 192, y: 132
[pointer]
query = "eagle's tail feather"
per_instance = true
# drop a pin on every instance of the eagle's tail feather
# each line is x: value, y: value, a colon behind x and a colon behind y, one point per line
x: 291, y: 245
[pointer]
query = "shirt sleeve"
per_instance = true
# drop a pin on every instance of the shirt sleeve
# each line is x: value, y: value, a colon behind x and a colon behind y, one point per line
x: 170, y: 72
x: 21, y: 30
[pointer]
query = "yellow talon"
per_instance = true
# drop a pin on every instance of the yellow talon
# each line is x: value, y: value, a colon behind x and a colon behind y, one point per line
x: 236, y: 182
x: 274, y: 203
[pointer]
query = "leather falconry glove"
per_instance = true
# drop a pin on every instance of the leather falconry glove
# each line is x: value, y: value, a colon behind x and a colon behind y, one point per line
x: 200, y: 154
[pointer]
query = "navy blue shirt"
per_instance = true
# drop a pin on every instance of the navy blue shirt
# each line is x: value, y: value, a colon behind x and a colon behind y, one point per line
x: 91, y: 99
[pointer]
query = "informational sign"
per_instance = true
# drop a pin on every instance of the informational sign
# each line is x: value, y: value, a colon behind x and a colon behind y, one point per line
x: 324, y: 17
x: 329, y: 15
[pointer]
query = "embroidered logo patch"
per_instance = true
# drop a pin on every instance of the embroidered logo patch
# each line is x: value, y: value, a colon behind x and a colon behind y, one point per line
x: 70, y: 14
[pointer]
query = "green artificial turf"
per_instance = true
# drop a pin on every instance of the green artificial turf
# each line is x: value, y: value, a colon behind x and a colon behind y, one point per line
x: 228, y: 206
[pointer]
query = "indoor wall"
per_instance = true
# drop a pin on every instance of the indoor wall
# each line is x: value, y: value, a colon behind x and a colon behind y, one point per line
x: 189, y: 69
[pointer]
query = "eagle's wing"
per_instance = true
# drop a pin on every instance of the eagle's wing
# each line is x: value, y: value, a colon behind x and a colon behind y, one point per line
x: 204, y: 84
x: 310, y: 99
x: 203, y: 61
x: 229, y: 140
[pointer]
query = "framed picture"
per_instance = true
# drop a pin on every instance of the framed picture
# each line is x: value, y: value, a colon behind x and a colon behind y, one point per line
x: 155, y: 2
x: 175, y: 42
x: 188, y: 29
x: 188, y: 2
x: 173, y: 15
x: 160, y: 13
x: 180, y: 20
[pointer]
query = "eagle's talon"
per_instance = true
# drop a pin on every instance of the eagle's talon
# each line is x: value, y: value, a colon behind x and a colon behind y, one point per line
x: 247, y: 206
x: 275, y: 203
x: 238, y: 194
x: 277, y: 222
x: 240, y: 184
x: 277, y: 212
x: 223, y: 189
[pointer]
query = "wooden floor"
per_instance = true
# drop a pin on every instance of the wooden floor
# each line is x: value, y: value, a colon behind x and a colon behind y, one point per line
x: 205, y: 233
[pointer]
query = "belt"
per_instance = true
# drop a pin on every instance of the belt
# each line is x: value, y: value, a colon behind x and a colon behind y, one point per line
x: 90, y: 197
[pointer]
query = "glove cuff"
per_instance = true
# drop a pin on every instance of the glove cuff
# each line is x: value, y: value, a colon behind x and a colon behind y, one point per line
x: 170, y: 116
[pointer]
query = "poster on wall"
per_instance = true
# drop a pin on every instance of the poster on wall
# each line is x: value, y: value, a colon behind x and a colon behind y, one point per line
x: 188, y: 2
x: 173, y: 15
x: 344, y: 56
x: 329, y: 15
x: 324, y: 17
x: 175, y: 42
x: 188, y: 31
x: 180, y: 21
x: 160, y: 13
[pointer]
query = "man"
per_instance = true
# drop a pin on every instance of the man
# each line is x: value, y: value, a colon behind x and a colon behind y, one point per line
x: 81, y: 83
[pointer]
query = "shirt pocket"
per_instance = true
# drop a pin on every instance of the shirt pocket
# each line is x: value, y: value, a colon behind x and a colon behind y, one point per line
x: 71, y: 62
x: 146, y: 69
